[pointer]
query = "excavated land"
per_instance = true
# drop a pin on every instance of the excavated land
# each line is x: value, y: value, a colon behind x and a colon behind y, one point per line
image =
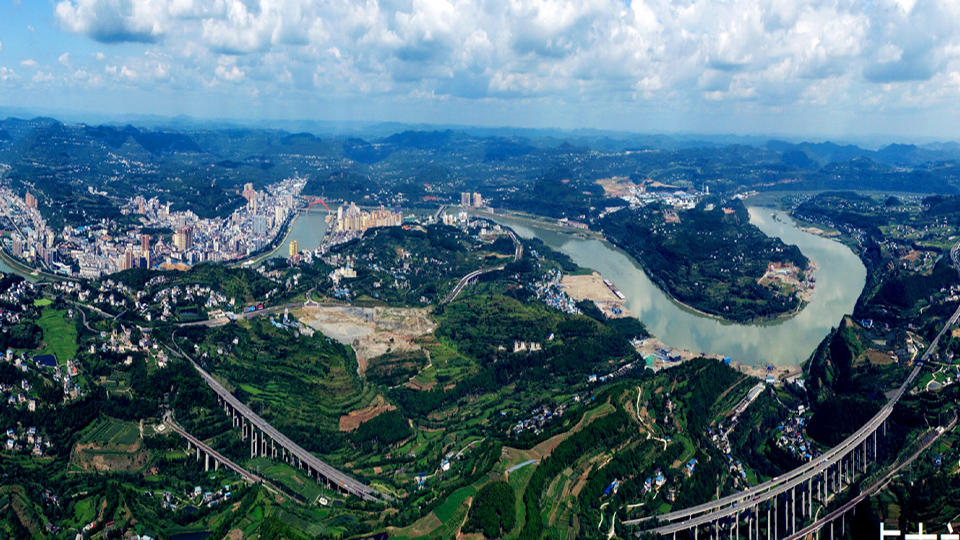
x: 371, y: 332
x: 594, y: 289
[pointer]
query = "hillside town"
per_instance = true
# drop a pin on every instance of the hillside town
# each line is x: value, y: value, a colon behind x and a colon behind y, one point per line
x: 97, y: 249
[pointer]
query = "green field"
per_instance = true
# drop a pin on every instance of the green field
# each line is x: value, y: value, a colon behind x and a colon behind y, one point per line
x: 109, y: 432
x: 42, y: 302
x: 286, y: 475
x: 59, y: 335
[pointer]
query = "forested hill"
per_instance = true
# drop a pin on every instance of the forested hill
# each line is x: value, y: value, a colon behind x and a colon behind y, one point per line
x: 710, y: 257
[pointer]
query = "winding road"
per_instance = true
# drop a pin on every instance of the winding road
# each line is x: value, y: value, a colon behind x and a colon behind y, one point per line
x: 517, y: 254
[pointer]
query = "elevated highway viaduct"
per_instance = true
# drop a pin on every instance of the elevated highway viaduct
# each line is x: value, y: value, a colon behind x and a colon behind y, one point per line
x: 816, y: 480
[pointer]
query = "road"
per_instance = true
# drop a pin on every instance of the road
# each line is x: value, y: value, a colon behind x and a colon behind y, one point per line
x: 248, y: 476
x: 517, y: 254
x: 333, y: 475
x: 819, y: 524
x: 727, y: 506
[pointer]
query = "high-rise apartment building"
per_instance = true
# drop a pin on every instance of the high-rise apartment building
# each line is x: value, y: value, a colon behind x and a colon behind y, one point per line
x: 465, y: 199
x: 183, y: 238
x: 259, y: 225
x: 30, y: 200
x: 294, y: 247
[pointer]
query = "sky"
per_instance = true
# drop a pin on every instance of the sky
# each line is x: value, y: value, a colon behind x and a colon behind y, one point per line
x: 795, y: 67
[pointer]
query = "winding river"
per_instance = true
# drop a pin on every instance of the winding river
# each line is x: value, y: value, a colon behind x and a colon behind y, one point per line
x: 784, y: 342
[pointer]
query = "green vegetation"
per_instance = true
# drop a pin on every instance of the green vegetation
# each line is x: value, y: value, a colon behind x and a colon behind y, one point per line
x: 493, y: 511
x: 110, y: 432
x: 300, y: 384
x: 59, y: 334
x: 711, y: 259
x: 416, y: 265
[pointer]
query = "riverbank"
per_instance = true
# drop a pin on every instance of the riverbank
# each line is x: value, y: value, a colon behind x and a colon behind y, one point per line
x: 540, y: 222
x: 784, y: 342
x: 28, y: 272
x: 592, y: 287
x: 653, y: 346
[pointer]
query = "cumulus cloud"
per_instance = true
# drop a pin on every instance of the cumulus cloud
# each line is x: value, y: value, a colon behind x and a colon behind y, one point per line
x: 7, y: 74
x: 42, y: 77
x: 64, y: 59
x: 232, y: 74
x: 115, y: 21
x: 29, y: 62
x: 770, y: 52
x: 1, y: 46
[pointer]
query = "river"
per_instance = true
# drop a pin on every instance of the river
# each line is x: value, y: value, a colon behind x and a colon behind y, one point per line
x: 784, y: 342
x: 308, y: 229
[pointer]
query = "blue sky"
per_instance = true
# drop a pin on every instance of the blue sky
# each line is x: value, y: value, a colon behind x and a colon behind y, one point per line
x: 796, y: 67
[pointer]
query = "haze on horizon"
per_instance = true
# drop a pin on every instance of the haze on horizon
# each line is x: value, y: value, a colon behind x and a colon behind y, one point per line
x: 800, y: 67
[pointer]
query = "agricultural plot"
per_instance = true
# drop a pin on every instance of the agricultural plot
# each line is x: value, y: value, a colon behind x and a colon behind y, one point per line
x: 59, y: 335
x: 111, y: 433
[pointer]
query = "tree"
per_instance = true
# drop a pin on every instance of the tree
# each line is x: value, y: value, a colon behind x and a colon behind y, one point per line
x: 493, y: 512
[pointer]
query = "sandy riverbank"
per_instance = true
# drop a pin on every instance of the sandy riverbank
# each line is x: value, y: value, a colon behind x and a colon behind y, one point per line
x: 651, y: 347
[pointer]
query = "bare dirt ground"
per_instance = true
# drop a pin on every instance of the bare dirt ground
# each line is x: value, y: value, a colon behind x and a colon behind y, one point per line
x: 370, y: 331
x: 119, y: 458
x: 594, y: 289
x: 617, y: 186
x: 352, y: 421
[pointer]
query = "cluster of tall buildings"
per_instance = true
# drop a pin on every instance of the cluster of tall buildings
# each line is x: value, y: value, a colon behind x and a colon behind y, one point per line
x: 98, y: 248
x: 467, y: 200
x: 353, y: 219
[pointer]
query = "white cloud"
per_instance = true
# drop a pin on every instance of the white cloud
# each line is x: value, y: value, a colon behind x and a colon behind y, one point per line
x: 64, y: 59
x: 1, y: 46
x: 42, y: 77
x: 29, y: 62
x: 773, y: 53
x: 233, y: 74
x: 7, y: 74
x: 114, y: 21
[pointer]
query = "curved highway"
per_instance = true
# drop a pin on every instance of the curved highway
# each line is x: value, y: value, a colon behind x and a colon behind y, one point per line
x: 197, y: 443
x: 726, y: 506
x: 336, y: 477
x: 517, y: 253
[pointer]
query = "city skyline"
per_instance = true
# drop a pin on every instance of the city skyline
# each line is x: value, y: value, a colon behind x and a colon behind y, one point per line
x: 804, y: 68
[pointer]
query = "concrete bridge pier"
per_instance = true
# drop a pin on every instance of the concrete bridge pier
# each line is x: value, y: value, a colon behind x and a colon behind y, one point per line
x: 776, y: 517
x: 793, y: 511
x: 198, y: 453
x: 206, y: 462
x: 768, y: 520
